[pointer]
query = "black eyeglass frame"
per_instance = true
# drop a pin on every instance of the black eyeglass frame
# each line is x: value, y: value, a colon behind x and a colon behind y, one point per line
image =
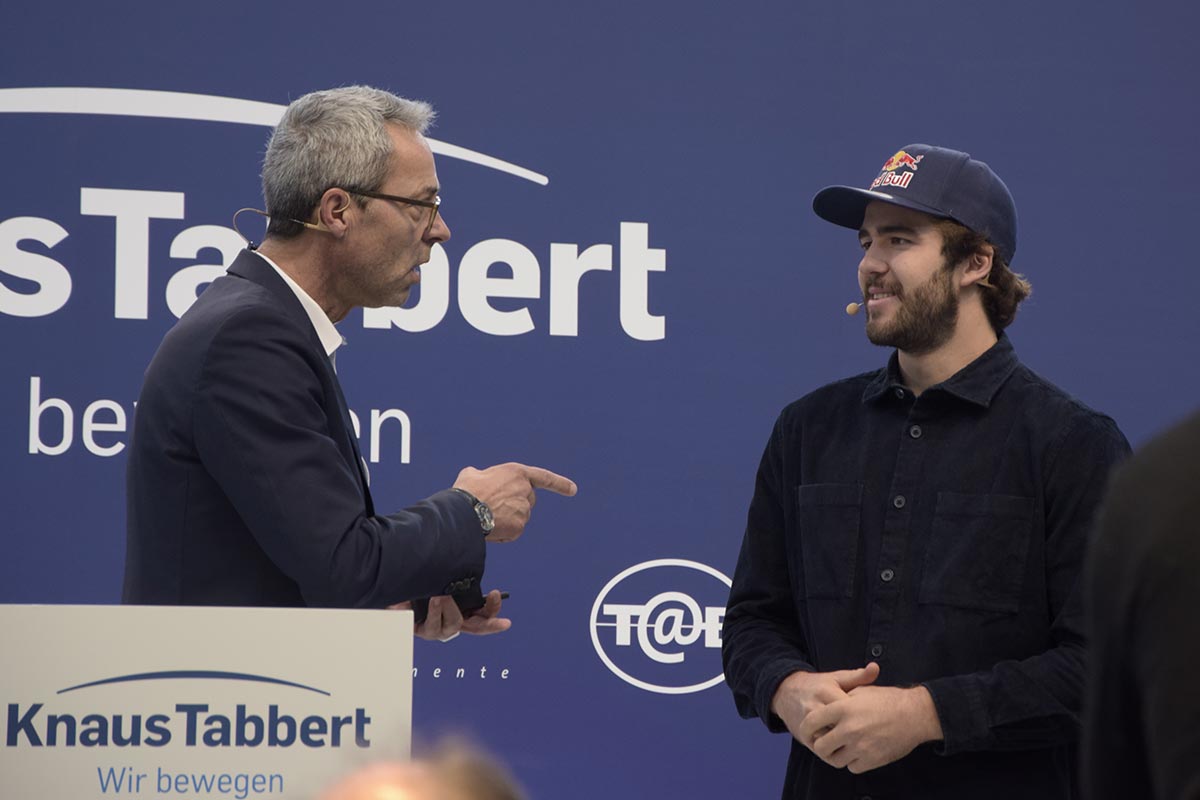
x: 432, y: 205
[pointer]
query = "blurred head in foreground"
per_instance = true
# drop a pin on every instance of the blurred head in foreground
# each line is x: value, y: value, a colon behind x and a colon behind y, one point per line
x: 453, y: 772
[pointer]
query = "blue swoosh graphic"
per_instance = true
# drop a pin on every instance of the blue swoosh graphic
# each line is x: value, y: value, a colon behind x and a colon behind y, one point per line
x: 205, y: 674
x: 198, y: 107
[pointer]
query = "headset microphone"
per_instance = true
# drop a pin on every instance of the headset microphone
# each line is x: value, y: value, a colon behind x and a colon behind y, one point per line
x: 853, y: 308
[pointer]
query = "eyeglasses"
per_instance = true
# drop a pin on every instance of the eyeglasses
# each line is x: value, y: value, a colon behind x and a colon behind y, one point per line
x: 431, y: 205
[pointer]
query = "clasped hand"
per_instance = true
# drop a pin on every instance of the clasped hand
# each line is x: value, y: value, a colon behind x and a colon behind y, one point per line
x: 848, y: 722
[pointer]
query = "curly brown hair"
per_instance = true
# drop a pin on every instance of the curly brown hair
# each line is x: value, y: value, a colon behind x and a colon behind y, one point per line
x: 1003, y: 290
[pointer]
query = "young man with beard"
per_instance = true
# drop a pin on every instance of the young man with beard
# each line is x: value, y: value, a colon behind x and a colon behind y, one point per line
x: 906, y: 601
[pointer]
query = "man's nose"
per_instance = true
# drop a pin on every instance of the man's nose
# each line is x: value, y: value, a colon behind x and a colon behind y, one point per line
x: 440, y: 231
x: 871, y: 264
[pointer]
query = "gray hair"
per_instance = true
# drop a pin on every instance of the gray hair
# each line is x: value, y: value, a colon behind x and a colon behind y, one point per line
x: 335, y: 137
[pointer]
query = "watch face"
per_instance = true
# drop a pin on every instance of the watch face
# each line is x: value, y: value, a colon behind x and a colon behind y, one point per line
x: 486, y: 521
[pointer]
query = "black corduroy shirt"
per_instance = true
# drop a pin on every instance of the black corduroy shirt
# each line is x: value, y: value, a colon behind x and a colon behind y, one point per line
x: 942, y: 536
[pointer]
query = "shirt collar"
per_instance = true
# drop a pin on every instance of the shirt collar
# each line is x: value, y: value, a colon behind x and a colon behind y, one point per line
x: 976, y: 383
x: 330, y: 338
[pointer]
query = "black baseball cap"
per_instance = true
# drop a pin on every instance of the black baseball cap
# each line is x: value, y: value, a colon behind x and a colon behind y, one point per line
x: 936, y: 180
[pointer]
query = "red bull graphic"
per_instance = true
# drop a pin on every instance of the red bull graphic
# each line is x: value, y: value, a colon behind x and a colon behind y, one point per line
x: 889, y: 176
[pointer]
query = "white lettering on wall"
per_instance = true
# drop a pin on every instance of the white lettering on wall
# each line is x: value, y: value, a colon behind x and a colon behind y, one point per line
x: 52, y: 427
x: 133, y: 209
x: 491, y: 275
x: 52, y: 278
x: 567, y: 266
x: 476, y: 285
x: 638, y: 260
x: 185, y: 286
x: 62, y: 417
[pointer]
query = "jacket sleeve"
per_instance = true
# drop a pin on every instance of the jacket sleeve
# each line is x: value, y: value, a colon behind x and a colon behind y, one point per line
x: 1036, y: 702
x: 762, y: 642
x: 263, y: 430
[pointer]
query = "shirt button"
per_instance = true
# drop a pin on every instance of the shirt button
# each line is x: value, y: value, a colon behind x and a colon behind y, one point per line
x: 900, y: 393
x: 887, y: 575
x: 898, y: 501
x: 915, y: 431
x: 876, y: 650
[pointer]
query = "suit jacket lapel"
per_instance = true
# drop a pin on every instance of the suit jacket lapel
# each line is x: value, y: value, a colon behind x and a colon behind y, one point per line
x: 358, y: 459
x: 252, y: 267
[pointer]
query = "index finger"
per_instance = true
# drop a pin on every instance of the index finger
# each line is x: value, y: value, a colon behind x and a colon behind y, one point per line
x: 540, y: 478
x: 815, y: 725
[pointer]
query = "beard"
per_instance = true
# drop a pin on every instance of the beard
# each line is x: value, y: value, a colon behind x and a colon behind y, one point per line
x: 925, y: 319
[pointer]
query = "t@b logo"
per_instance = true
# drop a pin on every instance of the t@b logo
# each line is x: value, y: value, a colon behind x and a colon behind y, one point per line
x: 657, y: 625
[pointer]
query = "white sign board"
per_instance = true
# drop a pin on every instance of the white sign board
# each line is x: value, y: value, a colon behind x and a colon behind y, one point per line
x: 172, y: 702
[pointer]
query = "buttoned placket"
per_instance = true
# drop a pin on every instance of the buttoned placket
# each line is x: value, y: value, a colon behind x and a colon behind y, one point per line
x: 887, y: 575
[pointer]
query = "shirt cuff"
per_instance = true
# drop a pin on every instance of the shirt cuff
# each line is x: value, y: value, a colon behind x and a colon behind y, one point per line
x: 768, y: 685
x: 962, y: 713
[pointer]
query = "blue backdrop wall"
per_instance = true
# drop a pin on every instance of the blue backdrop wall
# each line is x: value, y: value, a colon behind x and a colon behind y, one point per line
x: 659, y: 289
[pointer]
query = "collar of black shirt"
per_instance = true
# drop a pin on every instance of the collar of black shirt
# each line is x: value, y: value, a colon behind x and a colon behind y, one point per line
x: 976, y: 383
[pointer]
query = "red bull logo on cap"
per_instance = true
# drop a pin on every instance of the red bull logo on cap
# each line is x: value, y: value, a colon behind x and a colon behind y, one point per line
x: 890, y: 175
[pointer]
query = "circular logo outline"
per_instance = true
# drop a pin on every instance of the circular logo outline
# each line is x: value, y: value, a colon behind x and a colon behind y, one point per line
x: 622, y: 575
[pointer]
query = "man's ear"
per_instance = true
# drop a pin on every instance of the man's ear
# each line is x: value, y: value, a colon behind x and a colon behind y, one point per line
x: 979, y: 267
x: 331, y: 211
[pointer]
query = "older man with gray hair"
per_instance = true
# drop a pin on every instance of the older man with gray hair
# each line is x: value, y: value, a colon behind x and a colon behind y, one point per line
x: 245, y: 483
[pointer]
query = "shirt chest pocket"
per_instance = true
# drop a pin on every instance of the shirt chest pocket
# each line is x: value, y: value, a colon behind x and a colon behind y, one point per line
x: 977, y: 552
x: 829, y: 527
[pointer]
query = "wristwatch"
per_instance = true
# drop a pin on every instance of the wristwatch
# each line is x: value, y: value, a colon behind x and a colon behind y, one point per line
x: 486, y: 520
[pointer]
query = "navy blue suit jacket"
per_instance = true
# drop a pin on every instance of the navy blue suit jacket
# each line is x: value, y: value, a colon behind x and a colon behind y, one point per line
x: 244, y: 482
